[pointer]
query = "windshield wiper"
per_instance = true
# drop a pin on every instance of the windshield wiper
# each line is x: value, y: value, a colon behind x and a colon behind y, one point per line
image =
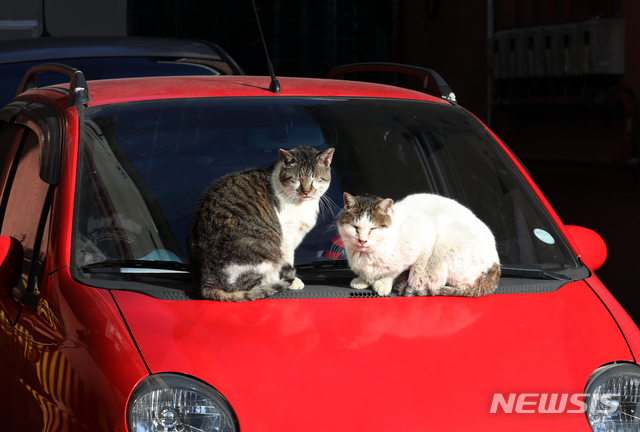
x: 154, y: 267
x: 530, y: 272
x: 328, y: 264
x: 507, y: 270
x: 137, y: 267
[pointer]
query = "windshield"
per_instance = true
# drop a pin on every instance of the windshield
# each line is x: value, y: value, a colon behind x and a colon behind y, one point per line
x: 143, y: 166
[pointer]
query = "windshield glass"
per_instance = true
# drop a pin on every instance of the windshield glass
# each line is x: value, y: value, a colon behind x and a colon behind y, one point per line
x: 143, y: 166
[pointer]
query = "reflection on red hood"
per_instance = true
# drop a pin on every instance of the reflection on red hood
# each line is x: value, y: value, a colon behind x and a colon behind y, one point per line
x: 383, y: 364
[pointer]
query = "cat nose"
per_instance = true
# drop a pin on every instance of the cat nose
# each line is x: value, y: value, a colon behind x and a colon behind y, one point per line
x: 362, y: 242
x: 306, y: 187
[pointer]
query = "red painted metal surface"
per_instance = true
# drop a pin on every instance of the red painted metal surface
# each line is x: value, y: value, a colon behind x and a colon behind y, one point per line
x: 412, y: 364
x: 627, y: 326
x: 127, y: 90
x: 625, y: 323
x: 79, y: 362
x: 592, y: 246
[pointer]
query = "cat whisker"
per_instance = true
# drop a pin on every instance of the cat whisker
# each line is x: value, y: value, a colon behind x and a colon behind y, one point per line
x: 293, y: 198
x: 336, y: 250
x: 322, y: 207
x: 327, y: 204
x: 290, y: 197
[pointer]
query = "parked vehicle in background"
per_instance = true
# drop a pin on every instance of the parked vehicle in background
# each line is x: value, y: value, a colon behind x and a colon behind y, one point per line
x: 100, y: 328
x: 110, y: 57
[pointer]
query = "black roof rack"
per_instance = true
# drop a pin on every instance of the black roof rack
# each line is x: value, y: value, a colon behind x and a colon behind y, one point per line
x: 78, y: 91
x: 441, y: 89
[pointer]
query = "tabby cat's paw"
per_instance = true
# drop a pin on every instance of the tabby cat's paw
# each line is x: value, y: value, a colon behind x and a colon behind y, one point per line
x: 383, y: 286
x: 401, y: 283
x: 297, y: 284
x: 426, y: 282
x: 359, y: 283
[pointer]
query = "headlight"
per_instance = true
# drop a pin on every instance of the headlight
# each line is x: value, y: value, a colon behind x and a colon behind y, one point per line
x: 613, y: 398
x: 168, y: 402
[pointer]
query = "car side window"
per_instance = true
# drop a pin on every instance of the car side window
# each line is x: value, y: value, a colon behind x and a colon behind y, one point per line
x: 26, y: 212
x: 9, y: 134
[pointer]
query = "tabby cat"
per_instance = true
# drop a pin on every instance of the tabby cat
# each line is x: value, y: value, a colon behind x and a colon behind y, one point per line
x: 246, y: 226
x: 424, y: 244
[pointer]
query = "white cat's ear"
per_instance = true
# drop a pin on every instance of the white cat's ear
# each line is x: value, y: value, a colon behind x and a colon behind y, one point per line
x: 286, y: 157
x: 385, y: 205
x: 326, y: 156
x: 349, y: 200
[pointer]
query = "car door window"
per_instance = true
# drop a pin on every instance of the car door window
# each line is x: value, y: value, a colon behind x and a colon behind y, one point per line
x: 9, y: 135
x: 26, y: 212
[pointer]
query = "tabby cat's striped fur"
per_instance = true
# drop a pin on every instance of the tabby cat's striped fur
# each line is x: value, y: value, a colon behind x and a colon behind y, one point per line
x: 246, y: 226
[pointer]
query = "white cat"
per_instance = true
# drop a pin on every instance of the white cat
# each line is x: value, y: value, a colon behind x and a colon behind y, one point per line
x: 446, y: 249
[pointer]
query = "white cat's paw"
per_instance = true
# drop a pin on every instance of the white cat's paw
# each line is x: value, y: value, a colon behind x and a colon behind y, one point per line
x: 359, y: 283
x: 297, y: 284
x: 383, y: 286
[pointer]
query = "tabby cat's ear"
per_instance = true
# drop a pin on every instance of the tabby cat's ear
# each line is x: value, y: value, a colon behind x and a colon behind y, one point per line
x: 286, y: 157
x: 349, y: 200
x: 385, y: 206
x: 326, y: 156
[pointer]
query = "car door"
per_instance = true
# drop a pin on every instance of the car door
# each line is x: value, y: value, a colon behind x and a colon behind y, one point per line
x: 24, y: 209
x: 31, y: 364
x: 61, y: 350
x: 12, y: 341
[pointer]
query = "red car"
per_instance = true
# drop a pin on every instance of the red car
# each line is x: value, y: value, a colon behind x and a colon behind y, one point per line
x: 100, y: 328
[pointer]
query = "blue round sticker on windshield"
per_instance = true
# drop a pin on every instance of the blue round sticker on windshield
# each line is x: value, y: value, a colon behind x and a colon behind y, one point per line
x: 544, y: 236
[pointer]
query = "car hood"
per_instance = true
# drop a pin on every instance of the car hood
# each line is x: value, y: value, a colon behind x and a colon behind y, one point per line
x: 384, y: 364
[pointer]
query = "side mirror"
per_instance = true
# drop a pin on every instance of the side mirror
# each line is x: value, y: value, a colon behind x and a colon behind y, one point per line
x: 11, y: 256
x: 592, y: 247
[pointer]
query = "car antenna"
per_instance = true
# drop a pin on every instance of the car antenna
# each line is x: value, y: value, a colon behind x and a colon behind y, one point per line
x: 44, y: 33
x: 275, y: 85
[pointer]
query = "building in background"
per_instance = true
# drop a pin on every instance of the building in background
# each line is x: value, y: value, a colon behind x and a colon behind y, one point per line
x: 32, y: 18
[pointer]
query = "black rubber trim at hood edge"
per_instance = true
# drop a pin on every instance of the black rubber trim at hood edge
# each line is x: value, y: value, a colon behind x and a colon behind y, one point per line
x: 321, y: 288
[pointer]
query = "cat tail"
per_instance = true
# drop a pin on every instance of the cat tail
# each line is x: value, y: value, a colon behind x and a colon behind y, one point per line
x: 486, y: 284
x: 287, y: 276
